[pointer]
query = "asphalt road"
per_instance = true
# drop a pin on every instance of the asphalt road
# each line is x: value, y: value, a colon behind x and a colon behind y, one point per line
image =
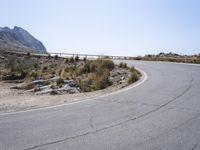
x: 163, y: 113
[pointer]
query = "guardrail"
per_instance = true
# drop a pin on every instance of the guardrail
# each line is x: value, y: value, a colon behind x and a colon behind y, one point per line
x: 87, y: 55
x: 71, y: 55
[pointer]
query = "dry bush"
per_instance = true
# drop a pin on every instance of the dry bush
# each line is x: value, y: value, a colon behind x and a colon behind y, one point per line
x: 59, y: 82
x: 29, y: 86
x: 123, y: 65
x: 19, y: 66
x: 71, y: 59
x: 134, y: 75
x: 101, y: 80
x: 76, y: 58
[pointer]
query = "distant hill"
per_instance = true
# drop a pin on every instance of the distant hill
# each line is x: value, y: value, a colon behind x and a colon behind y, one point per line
x: 18, y: 39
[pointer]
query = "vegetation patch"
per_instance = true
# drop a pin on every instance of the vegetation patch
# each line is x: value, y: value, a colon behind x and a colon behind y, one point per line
x: 170, y: 57
x: 47, y: 74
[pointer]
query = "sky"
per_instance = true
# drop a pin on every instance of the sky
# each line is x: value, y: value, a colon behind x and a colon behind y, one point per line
x: 109, y: 27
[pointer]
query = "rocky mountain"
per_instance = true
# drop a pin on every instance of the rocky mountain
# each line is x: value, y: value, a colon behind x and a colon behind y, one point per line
x: 19, y: 39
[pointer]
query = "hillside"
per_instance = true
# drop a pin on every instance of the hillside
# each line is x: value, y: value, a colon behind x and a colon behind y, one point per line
x: 18, y: 39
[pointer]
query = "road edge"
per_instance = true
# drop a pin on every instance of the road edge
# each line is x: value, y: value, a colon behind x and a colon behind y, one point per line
x: 142, y: 79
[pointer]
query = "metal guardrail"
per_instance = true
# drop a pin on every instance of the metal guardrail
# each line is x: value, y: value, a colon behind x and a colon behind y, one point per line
x: 88, y: 55
x: 71, y: 55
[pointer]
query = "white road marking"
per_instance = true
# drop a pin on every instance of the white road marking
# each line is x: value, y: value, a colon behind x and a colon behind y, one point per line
x: 142, y: 80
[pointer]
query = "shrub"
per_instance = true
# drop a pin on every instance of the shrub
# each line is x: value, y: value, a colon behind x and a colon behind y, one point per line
x: 56, y: 56
x: 85, y: 85
x: 59, y: 82
x: 49, y: 56
x: 66, y: 60
x: 85, y: 58
x: 125, y: 65
x: 29, y: 86
x: 121, y: 64
x: 132, y: 69
x: 19, y: 66
x: 134, y: 75
x: 71, y: 59
x: 107, y: 64
x: 77, y: 58
x: 101, y: 79
x: 45, y: 68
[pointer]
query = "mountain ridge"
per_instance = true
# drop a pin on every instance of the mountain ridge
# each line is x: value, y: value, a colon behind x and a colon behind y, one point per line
x: 18, y: 37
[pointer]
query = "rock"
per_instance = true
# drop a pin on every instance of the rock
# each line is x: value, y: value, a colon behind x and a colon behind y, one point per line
x: 39, y: 82
x: 71, y: 83
x: 70, y: 90
x: 12, y: 77
x: 66, y: 89
x: 54, y: 92
x: 2, y: 57
x: 115, y: 73
x: 18, y: 87
x: 46, y: 91
x: 117, y: 76
x: 45, y: 87
x: 123, y: 77
x: 54, y: 78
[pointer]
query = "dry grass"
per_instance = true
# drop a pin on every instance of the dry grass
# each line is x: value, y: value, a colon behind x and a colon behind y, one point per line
x: 89, y: 74
x: 134, y: 75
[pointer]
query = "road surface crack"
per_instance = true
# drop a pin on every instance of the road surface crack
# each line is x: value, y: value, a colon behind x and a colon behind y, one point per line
x: 195, y: 146
x: 90, y: 122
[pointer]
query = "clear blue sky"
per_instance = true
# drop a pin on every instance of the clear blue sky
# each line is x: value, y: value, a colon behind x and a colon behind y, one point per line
x: 113, y: 27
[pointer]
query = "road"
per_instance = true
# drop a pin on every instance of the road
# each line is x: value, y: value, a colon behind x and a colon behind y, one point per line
x: 163, y: 113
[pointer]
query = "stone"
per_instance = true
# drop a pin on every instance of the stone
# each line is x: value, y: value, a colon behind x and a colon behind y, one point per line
x: 18, y: 87
x: 54, y: 78
x: 71, y: 83
x: 39, y: 82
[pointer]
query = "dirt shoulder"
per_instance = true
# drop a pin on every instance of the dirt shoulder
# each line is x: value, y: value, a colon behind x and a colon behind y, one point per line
x: 17, y: 100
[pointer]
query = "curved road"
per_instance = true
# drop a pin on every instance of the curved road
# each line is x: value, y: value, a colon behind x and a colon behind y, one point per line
x: 163, y: 113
